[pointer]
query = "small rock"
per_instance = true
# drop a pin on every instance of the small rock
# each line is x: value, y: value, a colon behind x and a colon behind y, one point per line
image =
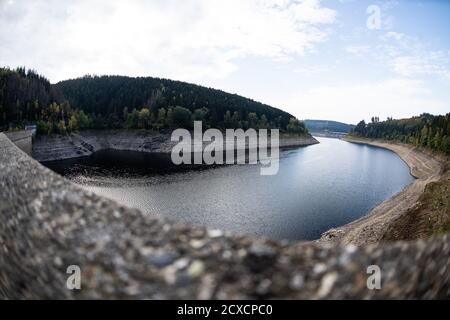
x: 197, y: 244
x: 117, y: 214
x: 161, y: 259
x: 263, y: 287
x: 327, y: 284
x: 297, y: 281
x: 227, y: 254
x: 196, y: 268
x: 216, y: 233
x: 320, y: 268
x: 181, y: 263
x: 57, y: 260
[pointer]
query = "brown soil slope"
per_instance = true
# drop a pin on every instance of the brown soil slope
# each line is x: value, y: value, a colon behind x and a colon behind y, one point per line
x: 420, y: 210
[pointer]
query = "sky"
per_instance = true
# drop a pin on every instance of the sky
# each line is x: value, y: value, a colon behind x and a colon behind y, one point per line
x: 343, y: 60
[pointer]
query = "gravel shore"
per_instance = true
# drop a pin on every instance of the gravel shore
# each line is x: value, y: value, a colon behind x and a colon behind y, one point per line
x: 372, y: 227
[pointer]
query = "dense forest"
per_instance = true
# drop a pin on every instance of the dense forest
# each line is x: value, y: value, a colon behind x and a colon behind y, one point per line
x: 426, y: 130
x: 113, y: 102
x: 26, y: 97
x: 327, y: 126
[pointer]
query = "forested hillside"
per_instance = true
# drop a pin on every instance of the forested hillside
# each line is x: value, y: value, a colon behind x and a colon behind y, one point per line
x: 25, y: 97
x: 327, y: 126
x: 426, y: 130
x: 112, y: 102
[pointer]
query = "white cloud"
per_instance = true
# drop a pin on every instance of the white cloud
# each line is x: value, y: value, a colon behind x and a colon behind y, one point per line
x: 310, y: 12
x: 408, y: 56
x: 311, y: 69
x: 405, y: 55
x: 431, y: 63
x: 358, y: 50
x: 187, y: 40
x: 393, y: 35
x: 394, y: 97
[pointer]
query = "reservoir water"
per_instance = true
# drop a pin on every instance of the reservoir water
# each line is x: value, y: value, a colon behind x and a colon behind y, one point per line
x: 317, y: 187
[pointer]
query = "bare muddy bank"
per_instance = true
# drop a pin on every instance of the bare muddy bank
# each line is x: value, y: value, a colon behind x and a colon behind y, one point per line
x: 59, y: 147
x: 373, y: 227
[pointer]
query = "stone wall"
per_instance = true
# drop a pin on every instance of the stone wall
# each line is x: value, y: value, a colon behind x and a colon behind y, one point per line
x: 48, y: 224
x: 22, y: 139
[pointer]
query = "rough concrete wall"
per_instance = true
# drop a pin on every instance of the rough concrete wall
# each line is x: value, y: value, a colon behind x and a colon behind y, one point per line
x: 47, y: 224
x: 22, y: 139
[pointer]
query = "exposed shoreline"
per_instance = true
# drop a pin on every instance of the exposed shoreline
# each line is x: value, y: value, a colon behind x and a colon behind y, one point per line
x: 84, y: 143
x: 372, y: 227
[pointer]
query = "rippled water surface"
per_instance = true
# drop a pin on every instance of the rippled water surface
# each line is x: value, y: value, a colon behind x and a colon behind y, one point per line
x: 317, y: 187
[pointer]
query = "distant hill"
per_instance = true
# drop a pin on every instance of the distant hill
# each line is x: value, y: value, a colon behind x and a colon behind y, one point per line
x: 162, y: 103
x: 323, y: 126
x: 105, y: 95
x: 119, y: 102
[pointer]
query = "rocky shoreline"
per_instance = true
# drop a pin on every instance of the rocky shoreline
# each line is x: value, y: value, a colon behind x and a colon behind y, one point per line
x: 372, y: 227
x: 84, y: 143
x: 47, y: 224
